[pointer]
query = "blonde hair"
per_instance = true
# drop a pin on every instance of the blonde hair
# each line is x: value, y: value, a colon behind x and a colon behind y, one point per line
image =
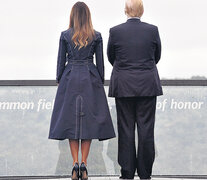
x: 134, y: 8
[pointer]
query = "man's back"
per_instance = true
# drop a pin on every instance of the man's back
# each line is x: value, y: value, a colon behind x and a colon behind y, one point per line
x: 134, y: 49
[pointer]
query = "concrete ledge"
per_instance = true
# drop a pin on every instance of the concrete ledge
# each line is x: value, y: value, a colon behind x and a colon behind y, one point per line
x: 169, y: 82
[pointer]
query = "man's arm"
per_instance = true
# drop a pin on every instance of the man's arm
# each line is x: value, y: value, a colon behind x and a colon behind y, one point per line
x: 158, y: 46
x: 110, y: 49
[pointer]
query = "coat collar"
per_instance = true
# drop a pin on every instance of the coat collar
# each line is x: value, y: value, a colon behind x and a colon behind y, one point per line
x: 133, y: 20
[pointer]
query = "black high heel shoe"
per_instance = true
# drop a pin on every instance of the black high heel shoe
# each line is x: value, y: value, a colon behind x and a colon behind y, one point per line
x: 83, y: 172
x: 75, y: 172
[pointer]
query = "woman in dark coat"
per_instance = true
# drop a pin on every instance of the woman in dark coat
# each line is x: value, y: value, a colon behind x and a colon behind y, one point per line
x: 80, y: 110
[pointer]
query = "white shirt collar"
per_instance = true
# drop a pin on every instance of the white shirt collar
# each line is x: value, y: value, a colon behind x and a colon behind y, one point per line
x: 133, y: 18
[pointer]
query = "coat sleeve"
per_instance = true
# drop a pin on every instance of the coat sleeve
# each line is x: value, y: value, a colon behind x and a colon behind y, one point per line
x: 110, y: 49
x: 158, y: 46
x: 99, y: 57
x: 61, y: 59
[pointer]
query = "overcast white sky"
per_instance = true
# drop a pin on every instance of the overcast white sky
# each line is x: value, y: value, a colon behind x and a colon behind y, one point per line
x: 30, y: 30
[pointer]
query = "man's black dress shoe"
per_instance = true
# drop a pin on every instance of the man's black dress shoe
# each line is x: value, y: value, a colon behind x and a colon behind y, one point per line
x: 126, y: 175
x: 146, y: 178
x: 125, y: 178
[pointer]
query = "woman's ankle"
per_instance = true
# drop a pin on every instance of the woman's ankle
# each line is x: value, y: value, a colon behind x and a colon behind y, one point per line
x: 74, y: 162
x: 85, y: 162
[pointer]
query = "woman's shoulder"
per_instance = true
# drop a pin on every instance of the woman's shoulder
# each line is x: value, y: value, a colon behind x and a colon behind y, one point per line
x: 97, y: 35
x: 66, y: 32
x: 97, y: 32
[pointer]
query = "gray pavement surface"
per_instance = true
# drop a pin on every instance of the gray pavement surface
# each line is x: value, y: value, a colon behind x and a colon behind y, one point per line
x: 117, y: 178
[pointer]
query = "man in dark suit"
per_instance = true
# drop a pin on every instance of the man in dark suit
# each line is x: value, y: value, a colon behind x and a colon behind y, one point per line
x: 134, y: 49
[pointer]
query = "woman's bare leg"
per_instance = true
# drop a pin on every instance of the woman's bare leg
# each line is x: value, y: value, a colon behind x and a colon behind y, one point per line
x: 74, y: 148
x: 85, y: 148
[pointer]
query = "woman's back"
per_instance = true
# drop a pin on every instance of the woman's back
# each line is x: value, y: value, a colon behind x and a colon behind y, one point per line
x: 74, y: 52
x: 69, y: 51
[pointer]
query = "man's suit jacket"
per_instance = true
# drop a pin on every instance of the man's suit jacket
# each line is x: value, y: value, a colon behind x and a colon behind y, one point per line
x: 134, y: 49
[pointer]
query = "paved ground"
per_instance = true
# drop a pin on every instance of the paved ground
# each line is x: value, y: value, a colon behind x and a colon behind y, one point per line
x: 100, y: 178
x: 117, y: 178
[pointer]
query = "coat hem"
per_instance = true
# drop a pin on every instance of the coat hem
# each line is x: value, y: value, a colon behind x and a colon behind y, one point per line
x: 111, y: 95
x: 90, y: 138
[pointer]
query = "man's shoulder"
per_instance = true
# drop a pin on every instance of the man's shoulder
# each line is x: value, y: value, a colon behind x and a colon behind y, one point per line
x: 117, y: 27
x: 148, y: 25
x: 123, y: 25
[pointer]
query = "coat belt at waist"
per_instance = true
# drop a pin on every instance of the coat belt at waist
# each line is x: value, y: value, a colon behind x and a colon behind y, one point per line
x: 78, y: 61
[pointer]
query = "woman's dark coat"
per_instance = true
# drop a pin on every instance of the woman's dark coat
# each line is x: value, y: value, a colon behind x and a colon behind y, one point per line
x: 80, y: 110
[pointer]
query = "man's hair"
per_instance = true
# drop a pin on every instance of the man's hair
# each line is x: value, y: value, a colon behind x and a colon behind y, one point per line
x: 134, y: 8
